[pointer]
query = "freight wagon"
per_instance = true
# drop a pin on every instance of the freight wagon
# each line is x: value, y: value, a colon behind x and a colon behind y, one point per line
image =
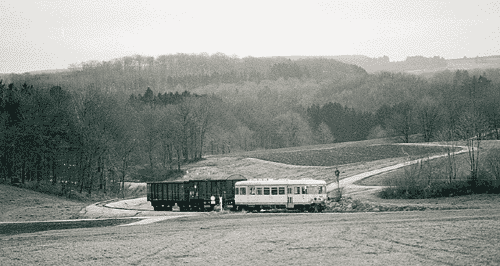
x: 191, y: 195
x: 305, y: 194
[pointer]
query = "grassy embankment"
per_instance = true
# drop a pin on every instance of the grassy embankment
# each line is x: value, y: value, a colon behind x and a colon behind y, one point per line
x: 23, y: 204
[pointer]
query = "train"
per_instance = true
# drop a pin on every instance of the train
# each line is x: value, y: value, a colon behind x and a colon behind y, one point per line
x: 191, y: 195
x: 259, y: 194
x: 237, y: 194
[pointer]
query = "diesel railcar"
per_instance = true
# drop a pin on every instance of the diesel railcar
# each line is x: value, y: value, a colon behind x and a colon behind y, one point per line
x: 191, y: 195
x: 305, y: 194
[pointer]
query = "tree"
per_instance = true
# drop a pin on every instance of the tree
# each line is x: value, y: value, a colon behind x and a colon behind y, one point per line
x: 401, y: 123
x: 148, y: 97
x: 92, y: 131
x: 428, y: 115
x: 292, y: 130
x: 202, y: 118
x: 127, y: 140
x: 323, y: 134
x: 170, y: 136
x: 245, y: 138
x: 471, y: 126
x: 150, y: 124
x: 184, y: 114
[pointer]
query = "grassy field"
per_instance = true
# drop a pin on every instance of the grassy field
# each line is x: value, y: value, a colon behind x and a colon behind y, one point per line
x: 21, y: 204
x: 438, y: 167
x: 18, y: 204
x: 347, y: 155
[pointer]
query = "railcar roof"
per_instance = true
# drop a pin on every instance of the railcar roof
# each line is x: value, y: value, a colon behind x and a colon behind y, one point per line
x: 270, y: 182
x: 193, y: 180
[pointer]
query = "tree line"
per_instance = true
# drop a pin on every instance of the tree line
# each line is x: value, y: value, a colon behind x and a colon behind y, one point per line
x: 179, y: 72
x: 90, y: 141
x: 87, y: 127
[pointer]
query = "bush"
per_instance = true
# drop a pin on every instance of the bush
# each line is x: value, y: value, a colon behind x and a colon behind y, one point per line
x: 442, y: 189
x: 336, y: 194
x: 491, y: 164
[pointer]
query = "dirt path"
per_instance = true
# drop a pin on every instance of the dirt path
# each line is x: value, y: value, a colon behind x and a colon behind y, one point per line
x: 223, y: 167
x: 350, y: 189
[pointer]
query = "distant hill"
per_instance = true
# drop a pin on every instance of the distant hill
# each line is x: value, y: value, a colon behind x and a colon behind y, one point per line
x: 48, y: 71
x: 37, y: 72
x: 413, y: 64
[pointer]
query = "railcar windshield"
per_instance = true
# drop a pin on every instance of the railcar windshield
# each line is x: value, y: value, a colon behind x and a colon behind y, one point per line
x: 315, y: 189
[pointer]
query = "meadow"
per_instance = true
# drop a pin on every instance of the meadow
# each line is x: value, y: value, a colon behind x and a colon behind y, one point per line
x: 347, y: 154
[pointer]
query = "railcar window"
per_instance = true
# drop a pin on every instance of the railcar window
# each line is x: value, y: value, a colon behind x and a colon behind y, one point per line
x: 237, y: 191
x: 274, y: 191
x: 259, y: 191
x: 252, y: 190
x: 281, y: 190
x: 320, y: 190
x: 266, y: 191
x: 297, y: 190
x: 289, y: 190
x: 243, y: 191
x: 304, y: 190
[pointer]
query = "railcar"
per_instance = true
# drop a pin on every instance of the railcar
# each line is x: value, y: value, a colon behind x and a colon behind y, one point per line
x: 305, y: 194
x: 191, y: 195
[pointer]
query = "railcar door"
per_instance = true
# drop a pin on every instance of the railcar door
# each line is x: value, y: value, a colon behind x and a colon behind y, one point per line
x: 289, y: 196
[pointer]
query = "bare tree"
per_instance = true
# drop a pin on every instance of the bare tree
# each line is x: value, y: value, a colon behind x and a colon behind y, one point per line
x: 324, y: 134
x: 428, y: 114
x: 402, y: 121
x: 292, y: 129
x: 150, y: 124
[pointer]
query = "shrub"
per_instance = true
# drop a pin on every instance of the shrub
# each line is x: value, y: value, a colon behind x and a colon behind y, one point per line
x: 491, y: 164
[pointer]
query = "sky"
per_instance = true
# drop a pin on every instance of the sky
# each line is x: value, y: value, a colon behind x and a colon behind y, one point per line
x: 40, y: 35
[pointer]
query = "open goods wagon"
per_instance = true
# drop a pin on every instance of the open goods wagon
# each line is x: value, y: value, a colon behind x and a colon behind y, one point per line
x: 191, y: 195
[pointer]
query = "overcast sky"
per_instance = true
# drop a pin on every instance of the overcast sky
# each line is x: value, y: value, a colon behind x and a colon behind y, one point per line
x: 37, y: 35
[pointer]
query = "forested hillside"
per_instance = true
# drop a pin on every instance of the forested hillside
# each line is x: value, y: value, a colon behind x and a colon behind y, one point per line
x: 143, y: 117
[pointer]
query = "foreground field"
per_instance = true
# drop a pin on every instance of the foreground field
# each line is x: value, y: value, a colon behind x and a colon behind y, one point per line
x: 463, y: 237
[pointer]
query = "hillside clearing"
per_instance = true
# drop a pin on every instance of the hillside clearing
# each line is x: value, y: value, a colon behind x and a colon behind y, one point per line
x: 18, y: 204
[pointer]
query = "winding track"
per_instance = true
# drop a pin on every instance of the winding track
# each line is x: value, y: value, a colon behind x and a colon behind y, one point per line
x: 141, y: 208
x: 351, y: 189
